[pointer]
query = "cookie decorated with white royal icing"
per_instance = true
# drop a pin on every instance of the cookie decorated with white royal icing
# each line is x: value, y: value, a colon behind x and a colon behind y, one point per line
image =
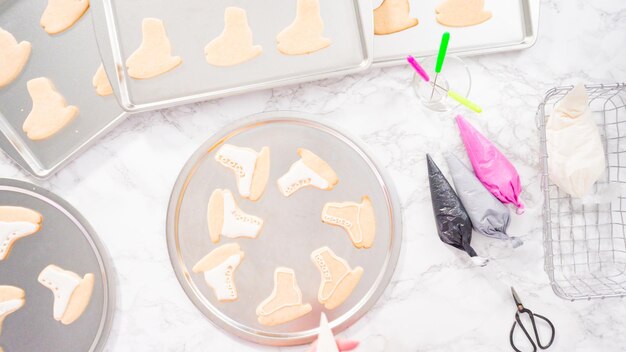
x: 16, y: 223
x: 11, y: 299
x: 71, y: 292
x: 218, y: 268
x: 251, y: 168
x: 226, y: 219
x: 309, y: 171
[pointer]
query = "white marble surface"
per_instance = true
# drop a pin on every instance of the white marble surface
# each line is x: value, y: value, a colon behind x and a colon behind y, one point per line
x: 437, y: 301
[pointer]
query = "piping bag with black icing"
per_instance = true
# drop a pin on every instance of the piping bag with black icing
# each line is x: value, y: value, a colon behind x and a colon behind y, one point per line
x: 453, y: 223
x: 488, y: 215
x: 491, y: 167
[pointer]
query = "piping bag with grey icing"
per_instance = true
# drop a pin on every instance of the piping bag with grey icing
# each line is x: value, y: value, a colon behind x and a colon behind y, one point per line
x: 453, y: 223
x: 488, y: 215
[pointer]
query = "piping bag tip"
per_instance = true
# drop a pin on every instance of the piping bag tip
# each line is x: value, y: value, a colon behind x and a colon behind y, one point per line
x: 520, y: 209
x: 479, y: 261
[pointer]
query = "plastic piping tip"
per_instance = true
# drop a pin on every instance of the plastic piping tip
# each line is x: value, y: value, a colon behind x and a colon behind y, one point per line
x: 418, y: 68
x: 464, y: 101
x: 443, y: 49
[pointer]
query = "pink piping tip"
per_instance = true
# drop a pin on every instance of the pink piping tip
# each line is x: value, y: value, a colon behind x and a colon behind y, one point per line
x: 418, y: 68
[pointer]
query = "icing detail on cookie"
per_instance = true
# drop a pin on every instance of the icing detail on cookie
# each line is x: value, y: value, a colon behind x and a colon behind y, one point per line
x: 285, y: 284
x: 357, y: 219
x: 11, y: 299
x: 298, y: 176
x: 338, y: 280
x: 13, y: 57
x: 221, y: 279
x: 62, y: 283
x: 242, y: 161
x: 236, y: 222
x: 11, y: 232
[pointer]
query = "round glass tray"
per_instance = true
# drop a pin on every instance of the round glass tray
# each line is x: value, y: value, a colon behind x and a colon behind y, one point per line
x: 292, y: 228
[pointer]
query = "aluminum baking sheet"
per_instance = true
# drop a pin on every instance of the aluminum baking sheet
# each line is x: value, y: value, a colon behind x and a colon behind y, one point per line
x: 66, y: 240
x: 514, y: 26
x: 70, y: 60
x: 191, y: 24
x: 292, y: 228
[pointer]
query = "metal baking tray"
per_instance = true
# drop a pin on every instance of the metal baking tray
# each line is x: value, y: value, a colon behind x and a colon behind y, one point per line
x: 514, y: 26
x: 66, y: 240
x: 191, y: 24
x: 292, y: 228
x: 70, y: 60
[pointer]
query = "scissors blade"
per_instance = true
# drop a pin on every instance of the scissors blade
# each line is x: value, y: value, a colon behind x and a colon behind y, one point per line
x: 518, y: 302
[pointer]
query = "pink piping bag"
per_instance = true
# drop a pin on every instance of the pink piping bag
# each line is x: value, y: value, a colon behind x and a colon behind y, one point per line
x: 491, y: 167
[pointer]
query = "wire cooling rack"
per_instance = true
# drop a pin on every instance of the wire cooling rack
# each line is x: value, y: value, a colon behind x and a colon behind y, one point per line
x: 585, y: 244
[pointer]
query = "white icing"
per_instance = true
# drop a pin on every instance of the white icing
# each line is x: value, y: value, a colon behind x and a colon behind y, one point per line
x: 326, y: 339
x: 298, y: 176
x: 260, y: 309
x: 242, y: 161
x: 327, y: 276
x: 576, y: 157
x: 237, y: 223
x: 221, y: 279
x: 10, y: 306
x: 11, y: 231
x: 62, y: 283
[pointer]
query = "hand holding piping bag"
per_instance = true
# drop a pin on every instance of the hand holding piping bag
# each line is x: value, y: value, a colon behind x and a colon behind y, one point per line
x: 491, y: 167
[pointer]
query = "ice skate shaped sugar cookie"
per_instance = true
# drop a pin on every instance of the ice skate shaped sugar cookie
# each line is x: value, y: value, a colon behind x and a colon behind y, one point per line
x: 285, y: 302
x: 154, y: 55
x: 101, y: 82
x: 219, y: 268
x: 234, y: 45
x: 392, y: 16
x: 356, y: 218
x: 71, y: 292
x: 50, y: 112
x: 11, y: 299
x: 60, y: 15
x: 462, y: 13
x: 226, y: 219
x: 251, y: 169
x: 310, y: 170
x: 306, y: 33
x: 338, y: 280
x: 16, y: 223
x: 13, y: 57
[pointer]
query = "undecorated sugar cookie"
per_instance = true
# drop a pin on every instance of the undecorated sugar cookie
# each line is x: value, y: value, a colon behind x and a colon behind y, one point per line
x: 251, y: 168
x: 50, y: 112
x: 392, y: 16
x: 310, y: 170
x: 101, y: 82
x: 234, y: 45
x: 60, y: 15
x: 154, y: 55
x: 218, y: 268
x: 13, y: 57
x: 338, y: 280
x: 306, y: 33
x: 462, y: 13
x: 11, y: 299
x: 356, y: 218
x: 226, y: 219
x: 71, y: 292
x: 285, y: 302
x: 16, y: 223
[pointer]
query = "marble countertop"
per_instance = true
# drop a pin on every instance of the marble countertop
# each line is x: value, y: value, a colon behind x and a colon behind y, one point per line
x: 437, y: 301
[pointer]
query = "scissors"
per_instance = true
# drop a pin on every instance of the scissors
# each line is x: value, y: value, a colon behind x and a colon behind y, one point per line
x: 532, y: 316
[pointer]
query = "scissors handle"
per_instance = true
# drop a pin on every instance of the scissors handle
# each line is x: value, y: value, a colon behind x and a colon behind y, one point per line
x: 532, y: 320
